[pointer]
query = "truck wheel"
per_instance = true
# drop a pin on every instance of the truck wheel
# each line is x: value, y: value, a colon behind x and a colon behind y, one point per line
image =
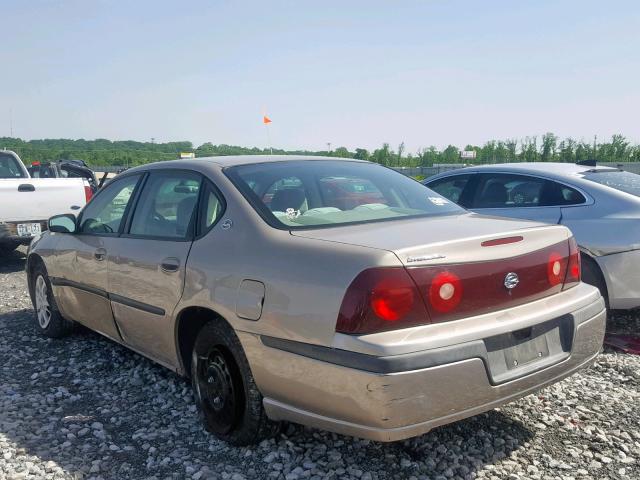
x: 49, y: 321
x: 6, y: 248
x: 226, y: 394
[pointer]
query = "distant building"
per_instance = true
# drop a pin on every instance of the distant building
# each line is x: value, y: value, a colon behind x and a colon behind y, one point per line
x: 187, y: 155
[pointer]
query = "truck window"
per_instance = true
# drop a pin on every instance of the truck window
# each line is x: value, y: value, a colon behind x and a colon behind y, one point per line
x: 10, y: 168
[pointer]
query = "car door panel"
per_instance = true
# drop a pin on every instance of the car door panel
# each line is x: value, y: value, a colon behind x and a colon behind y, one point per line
x: 82, y: 279
x: 147, y: 262
x: 144, y: 294
x: 81, y: 283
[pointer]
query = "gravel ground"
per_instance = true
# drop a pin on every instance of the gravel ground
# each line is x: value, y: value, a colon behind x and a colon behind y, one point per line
x: 84, y: 407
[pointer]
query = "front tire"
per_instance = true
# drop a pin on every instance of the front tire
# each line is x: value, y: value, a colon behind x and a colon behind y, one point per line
x: 49, y: 320
x: 228, y: 399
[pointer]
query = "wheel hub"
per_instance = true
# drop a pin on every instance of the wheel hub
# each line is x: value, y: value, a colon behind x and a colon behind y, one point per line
x: 219, y: 385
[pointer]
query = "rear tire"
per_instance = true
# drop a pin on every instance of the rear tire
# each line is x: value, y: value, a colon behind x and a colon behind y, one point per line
x: 592, y: 275
x: 228, y: 399
x: 49, y: 320
x: 7, y: 248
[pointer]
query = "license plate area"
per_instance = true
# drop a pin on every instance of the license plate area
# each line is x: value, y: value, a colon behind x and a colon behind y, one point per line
x: 28, y: 229
x: 514, y: 354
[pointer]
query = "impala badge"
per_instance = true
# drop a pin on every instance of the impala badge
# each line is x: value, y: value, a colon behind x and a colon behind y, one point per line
x: 511, y: 281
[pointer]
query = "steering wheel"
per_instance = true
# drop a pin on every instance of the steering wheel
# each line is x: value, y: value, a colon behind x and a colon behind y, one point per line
x: 158, y: 218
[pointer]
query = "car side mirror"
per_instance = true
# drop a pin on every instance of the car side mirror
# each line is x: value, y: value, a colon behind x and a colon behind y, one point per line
x: 63, y: 223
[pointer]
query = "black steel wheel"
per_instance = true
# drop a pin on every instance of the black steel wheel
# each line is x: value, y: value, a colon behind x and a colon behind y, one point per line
x: 228, y: 399
x: 219, y: 387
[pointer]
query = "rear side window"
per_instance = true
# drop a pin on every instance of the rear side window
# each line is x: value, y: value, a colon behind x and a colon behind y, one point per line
x: 557, y: 194
x: 212, y: 208
x: 624, y: 181
x: 450, y: 187
x: 167, y: 205
x: 508, y: 191
x: 9, y: 167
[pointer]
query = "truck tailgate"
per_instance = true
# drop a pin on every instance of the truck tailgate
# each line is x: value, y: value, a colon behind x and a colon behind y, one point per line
x: 23, y: 199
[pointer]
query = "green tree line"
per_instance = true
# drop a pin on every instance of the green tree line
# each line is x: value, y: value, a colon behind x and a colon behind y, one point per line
x: 547, y: 148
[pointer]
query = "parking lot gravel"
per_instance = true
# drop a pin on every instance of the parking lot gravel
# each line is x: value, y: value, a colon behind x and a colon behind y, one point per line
x: 85, y: 407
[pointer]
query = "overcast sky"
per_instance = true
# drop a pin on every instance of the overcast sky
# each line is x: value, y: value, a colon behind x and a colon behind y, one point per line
x: 353, y: 73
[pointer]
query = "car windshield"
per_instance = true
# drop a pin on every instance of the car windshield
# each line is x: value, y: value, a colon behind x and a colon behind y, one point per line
x: 9, y: 167
x: 624, y: 181
x: 317, y: 193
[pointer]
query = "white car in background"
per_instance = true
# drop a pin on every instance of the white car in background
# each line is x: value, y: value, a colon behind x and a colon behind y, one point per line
x: 27, y: 203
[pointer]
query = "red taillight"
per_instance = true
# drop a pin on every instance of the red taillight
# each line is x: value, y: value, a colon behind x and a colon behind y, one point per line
x: 573, y: 271
x: 88, y: 193
x: 445, y: 292
x: 391, y: 302
x: 381, y: 299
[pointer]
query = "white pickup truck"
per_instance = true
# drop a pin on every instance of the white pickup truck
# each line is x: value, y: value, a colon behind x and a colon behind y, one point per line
x: 27, y: 203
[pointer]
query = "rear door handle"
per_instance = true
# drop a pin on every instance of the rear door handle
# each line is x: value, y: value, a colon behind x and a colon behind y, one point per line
x: 100, y: 254
x: 170, y: 265
x: 26, y: 187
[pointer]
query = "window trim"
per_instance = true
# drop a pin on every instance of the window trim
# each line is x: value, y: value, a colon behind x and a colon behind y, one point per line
x: 134, y: 206
x: 136, y: 189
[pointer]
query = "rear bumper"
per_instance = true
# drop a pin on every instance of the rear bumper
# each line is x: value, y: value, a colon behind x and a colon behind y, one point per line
x: 362, y: 401
x: 9, y: 231
x: 622, y: 275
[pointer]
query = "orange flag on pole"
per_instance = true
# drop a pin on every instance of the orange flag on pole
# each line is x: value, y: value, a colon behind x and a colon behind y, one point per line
x: 266, y: 119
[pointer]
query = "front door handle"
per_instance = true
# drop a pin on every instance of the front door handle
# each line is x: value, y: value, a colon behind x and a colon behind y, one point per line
x: 100, y: 254
x: 170, y: 265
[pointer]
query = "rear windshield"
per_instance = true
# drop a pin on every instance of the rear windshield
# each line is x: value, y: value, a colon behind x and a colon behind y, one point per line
x: 624, y: 181
x: 320, y: 193
x: 10, y: 168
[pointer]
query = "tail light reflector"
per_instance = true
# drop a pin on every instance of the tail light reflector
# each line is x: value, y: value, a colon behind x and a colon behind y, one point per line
x: 556, y: 268
x: 445, y: 292
x: 88, y: 193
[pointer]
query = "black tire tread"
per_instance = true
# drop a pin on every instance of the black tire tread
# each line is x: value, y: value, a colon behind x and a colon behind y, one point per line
x: 255, y: 426
x: 592, y: 275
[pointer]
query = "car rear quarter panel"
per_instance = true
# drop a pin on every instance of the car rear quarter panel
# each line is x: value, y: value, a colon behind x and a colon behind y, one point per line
x: 305, y: 279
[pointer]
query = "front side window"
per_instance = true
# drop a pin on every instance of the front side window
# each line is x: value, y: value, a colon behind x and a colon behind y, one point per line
x: 9, y: 167
x: 624, y: 181
x: 320, y: 193
x: 508, y: 191
x: 167, y: 205
x: 450, y: 187
x: 105, y: 213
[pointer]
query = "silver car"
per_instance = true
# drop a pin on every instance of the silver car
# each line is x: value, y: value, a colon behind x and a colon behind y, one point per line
x: 334, y: 293
x: 600, y: 205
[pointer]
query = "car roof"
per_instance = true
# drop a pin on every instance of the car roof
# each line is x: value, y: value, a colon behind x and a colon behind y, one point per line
x: 547, y: 169
x: 233, y: 160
